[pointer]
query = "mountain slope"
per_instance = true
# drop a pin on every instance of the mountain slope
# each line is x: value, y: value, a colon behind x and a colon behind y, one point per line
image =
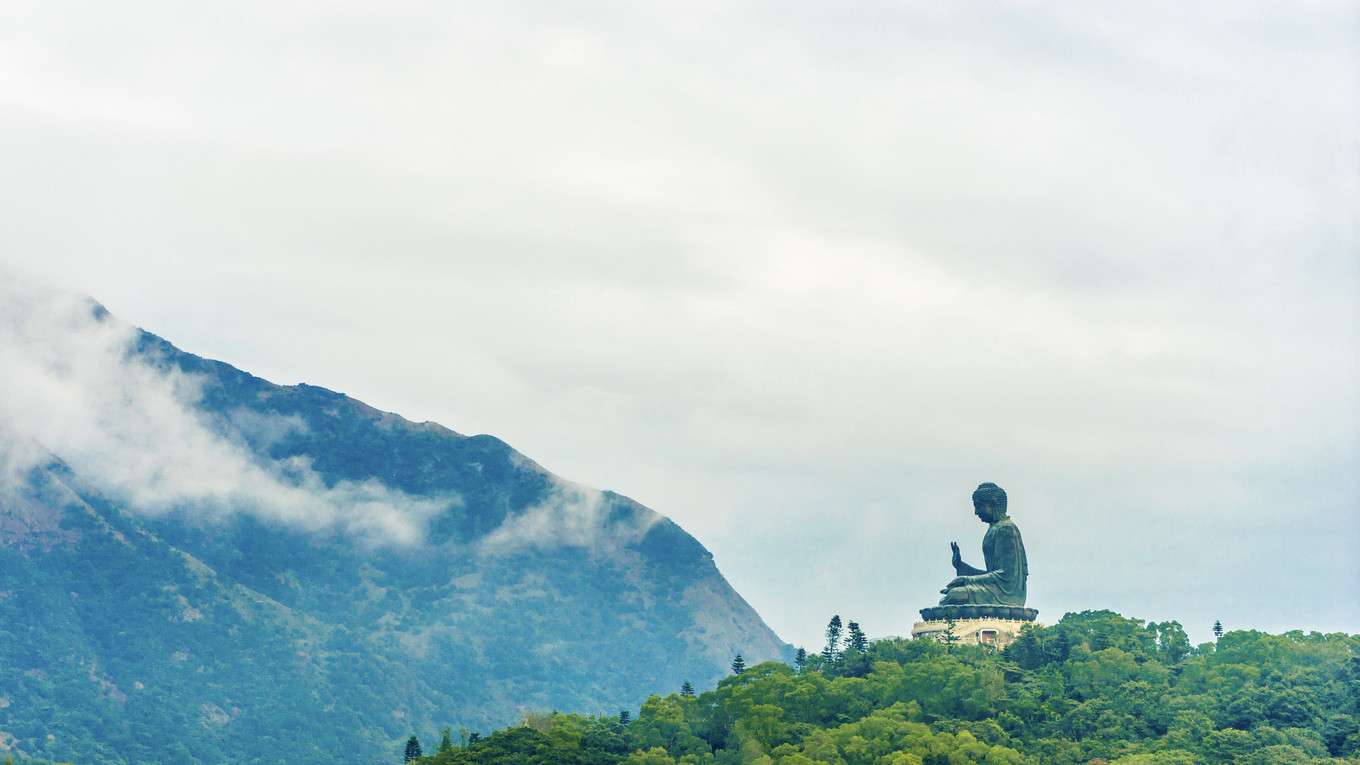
x: 400, y: 577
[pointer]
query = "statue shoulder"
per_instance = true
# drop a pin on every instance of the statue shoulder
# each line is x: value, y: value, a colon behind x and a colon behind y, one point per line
x: 1007, y: 527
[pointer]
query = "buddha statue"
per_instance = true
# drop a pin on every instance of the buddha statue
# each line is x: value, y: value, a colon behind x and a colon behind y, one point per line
x: 1002, y: 582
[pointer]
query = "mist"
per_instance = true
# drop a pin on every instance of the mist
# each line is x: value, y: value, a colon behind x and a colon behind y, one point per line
x: 76, y: 389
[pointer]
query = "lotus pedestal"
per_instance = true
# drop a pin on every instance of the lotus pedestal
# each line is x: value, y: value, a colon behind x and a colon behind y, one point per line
x: 996, y: 626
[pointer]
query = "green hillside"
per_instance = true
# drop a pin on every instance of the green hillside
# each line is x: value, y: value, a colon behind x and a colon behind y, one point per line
x: 213, y: 633
x: 1094, y: 688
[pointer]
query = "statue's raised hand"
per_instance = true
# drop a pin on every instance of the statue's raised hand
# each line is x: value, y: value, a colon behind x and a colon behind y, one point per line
x: 954, y: 557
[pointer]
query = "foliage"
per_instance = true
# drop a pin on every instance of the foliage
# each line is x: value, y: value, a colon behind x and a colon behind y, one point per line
x: 1094, y: 688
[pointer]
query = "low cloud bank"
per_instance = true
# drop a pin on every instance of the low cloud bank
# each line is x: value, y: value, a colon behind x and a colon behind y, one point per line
x: 570, y: 515
x: 73, y: 389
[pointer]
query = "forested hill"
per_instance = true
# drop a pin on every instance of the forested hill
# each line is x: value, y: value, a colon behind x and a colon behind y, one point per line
x: 1094, y: 689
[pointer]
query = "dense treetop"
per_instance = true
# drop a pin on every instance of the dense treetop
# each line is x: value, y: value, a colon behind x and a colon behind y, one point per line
x: 1094, y: 688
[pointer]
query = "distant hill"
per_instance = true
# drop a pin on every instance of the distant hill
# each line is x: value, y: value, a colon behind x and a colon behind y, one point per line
x: 188, y: 636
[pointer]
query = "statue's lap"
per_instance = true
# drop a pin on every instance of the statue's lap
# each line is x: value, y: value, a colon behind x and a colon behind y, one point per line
x: 979, y: 611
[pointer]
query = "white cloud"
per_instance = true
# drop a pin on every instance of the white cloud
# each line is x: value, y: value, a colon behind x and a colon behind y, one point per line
x: 73, y: 388
x: 569, y: 515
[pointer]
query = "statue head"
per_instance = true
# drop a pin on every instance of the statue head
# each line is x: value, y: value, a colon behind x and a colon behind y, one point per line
x: 989, y: 502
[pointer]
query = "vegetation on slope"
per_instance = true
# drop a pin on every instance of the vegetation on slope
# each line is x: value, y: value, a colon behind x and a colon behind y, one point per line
x: 1094, y: 688
x: 133, y: 634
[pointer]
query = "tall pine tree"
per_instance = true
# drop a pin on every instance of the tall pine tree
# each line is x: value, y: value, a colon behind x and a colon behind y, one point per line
x: 1218, y: 629
x: 412, y: 749
x: 950, y: 635
x: 686, y: 690
x: 832, y: 652
x: 858, y: 642
x: 738, y: 665
x: 446, y: 740
x: 800, y: 659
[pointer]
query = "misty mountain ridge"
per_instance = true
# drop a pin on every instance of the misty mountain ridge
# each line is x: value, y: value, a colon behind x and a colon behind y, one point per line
x: 202, y: 566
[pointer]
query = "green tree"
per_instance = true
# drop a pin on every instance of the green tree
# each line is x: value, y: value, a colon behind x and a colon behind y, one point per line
x: 412, y: 749
x: 509, y: 746
x: 1173, y: 644
x: 624, y: 717
x: 858, y: 642
x: 831, y: 652
x: 800, y: 659
x: 1218, y: 629
x: 653, y: 756
x: 950, y: 635
x: 855, y: 662
x: 686, y: 689
x: 1168, y: 757
x: 445, y: 740
x: 738, y: 665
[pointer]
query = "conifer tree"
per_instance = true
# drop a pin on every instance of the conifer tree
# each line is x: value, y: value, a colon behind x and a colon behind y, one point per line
x: 950, y: 636
x: 446, y: 740
x: 686, y: 690
x: 474, y: 737
x: 738, y: 665
x: 1218, y: 629
x: 624, y: 717
x: 412, y: 749
x: 800, y: 659
x: 858, y: 643
x: 832, y: 652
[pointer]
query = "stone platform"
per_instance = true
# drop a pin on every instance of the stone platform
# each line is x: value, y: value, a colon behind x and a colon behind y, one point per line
x: 997, y: 626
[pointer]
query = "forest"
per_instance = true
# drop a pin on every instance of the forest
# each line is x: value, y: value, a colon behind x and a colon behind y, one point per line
x: 1094, y: 689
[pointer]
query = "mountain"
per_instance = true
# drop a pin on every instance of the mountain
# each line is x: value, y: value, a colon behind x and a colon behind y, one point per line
x: 322, y: 581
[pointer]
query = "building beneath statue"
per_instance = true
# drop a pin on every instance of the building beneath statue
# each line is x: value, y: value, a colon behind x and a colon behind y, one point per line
x: 984, y: 606
x: 996, y: 626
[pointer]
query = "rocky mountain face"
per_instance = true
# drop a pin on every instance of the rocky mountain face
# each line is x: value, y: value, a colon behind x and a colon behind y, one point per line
x: 399, y: 578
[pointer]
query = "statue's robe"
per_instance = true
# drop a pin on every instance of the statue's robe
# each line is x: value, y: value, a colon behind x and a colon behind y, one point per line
x: 1003, y: 583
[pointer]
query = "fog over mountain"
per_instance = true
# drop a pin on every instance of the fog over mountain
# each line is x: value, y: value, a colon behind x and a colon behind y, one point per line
x: 76, y: 387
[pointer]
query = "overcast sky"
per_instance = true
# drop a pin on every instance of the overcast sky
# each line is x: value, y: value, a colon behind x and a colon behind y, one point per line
x: 797, y: 275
